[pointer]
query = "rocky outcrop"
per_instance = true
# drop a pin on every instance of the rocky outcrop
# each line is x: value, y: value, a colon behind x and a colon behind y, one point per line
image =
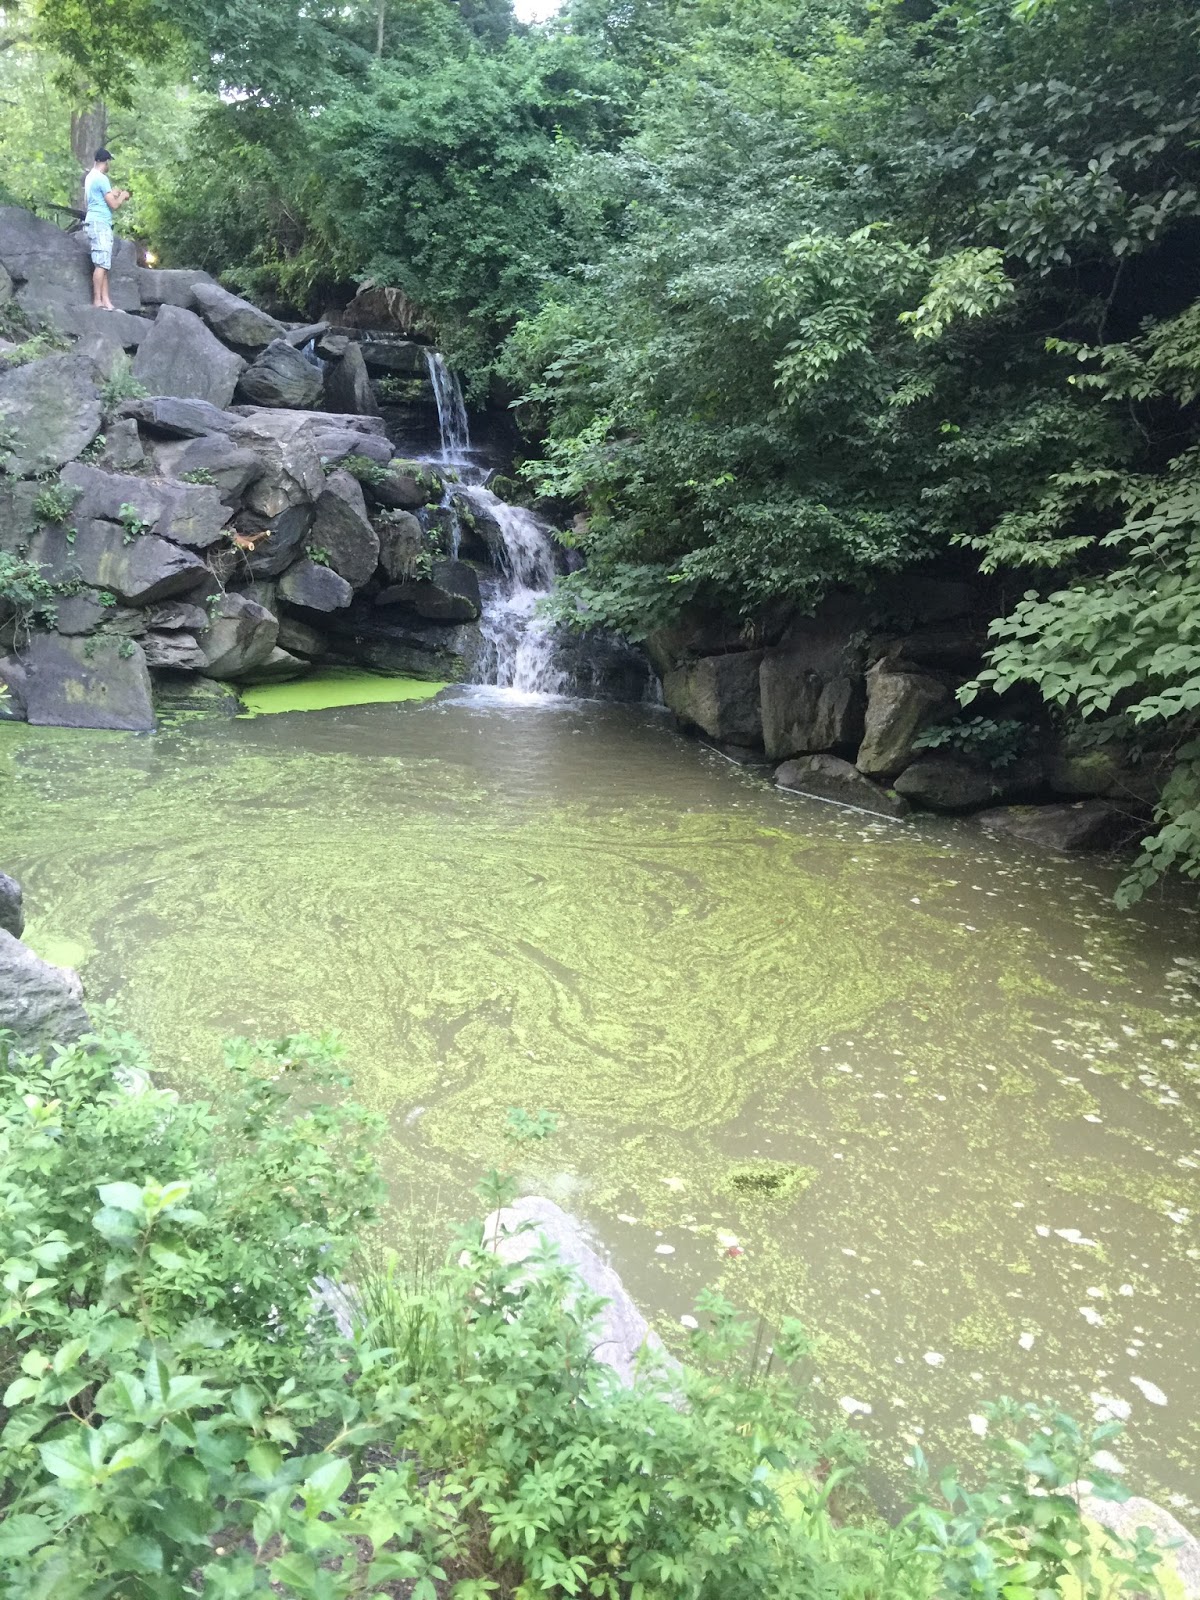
x: 170, y: 286
x: 87, y: 683
x: 59, y: 265
x: 826, y: 777
x: 945, y: 783
x: 138, y: 570
x: 720, y: 696
x: 40, y: 1005
x: 49, y: 414
x: 176, y: 418
x: 183, y: 358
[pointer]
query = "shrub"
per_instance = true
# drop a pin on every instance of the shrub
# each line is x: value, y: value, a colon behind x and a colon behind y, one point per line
x: 182, y: 1416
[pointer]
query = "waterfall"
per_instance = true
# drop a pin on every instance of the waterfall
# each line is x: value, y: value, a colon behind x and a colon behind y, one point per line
x: 452, y: 413
x: 523, y: 648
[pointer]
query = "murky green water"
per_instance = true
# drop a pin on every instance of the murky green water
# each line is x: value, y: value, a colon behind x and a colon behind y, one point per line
x: 989, y: 1079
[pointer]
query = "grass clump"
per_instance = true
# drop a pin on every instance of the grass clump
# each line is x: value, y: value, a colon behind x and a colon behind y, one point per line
x: 181, y: 1416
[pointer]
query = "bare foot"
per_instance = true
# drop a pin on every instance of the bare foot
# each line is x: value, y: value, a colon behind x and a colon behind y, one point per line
x: 108, y: 306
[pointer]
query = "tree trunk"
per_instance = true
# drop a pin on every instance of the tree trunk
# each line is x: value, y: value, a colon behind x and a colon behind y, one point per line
x: 381, y: 9
x: 89, y: 129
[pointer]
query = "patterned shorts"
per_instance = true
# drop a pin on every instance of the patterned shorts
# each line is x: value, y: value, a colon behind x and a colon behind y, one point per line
x: 102, y: 244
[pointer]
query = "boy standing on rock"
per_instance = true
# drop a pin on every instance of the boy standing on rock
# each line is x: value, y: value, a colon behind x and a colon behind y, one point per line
x: 101, y: 200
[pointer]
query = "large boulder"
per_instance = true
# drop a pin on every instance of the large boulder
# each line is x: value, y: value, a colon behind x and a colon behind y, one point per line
x: 123, y: 450
x: 335, y: 444
x: 314, y: 587
x: 1180, y: 1549
x: 240, y: 636
x: 49, y: 306
x: 181, y: 357
x: 279, y: 667
x: 395, y: 356
x: 826, y: 777
x: 281, y: 541
x: 405, y: 486
x: 1087, y: 825
x: 298, y: 639
x: 174, y: 418
x: 84, y: 611
x: 281, y: 376
x: 36, y: 252
x: 342, y: 532
x: 840, y: 712
x: 520, y: 1232
x: 791, y: 694
x: 50, y: 411
x: 174, y: 652
x: 438, y: 652
x: 284, y: 424
x: 138, y: 571
x: 95, y: 682
x: 291, y: 473
x: 234, y: 320
x: 719, y: 695
x: 449, y: 594
x: 948, y: 783
x: 12, y: 909
x: 39, y: 1004
x: 348, y: 385
x: 167, y: 286
x: 401, y: 545
x: 899, y: 706
x: 191, y: 514
x: 231, y: 467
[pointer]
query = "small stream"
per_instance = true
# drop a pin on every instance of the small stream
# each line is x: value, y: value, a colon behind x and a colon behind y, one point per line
x: 924, y: 1089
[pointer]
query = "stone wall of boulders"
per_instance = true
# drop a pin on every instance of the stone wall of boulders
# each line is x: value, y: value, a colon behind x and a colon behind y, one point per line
x: 175, y: 471
x: 858, y: 704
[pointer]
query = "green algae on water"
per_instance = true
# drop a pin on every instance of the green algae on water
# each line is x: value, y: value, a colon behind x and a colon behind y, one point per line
x: 332, y: 687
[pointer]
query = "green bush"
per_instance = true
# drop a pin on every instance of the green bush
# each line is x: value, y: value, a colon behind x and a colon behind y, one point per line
x: 182, y: 1417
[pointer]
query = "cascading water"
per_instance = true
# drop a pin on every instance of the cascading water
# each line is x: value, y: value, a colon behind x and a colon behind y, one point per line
x: 453, y: 427
x: 523, y: 648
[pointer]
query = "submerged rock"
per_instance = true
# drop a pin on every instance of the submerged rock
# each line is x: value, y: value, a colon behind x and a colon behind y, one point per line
x: 827, y: 777
x: 1087, y: 825
x: 40, y: 1004
x: 520, y: 1231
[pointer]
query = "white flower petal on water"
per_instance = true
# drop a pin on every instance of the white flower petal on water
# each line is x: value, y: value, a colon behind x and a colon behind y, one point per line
x: 1073, y: 1236
x: 1126, y: 1288
x: 979, y: 1425
x: 672, y: 1183
x: 688, y: 1322
x: 664, y: 1249
x: 1026, y: 1341
x: 623, y: 1216
x: 1042, y: 1231
x: 1107, y: 1462
x: 1107, y: 1408
x: 1151, y: 1390
x: 853, y: 1407
x: 934, y: 1358
x: 1090, y: 1314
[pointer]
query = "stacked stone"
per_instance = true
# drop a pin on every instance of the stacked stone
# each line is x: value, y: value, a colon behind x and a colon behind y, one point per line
x: 213, y: 531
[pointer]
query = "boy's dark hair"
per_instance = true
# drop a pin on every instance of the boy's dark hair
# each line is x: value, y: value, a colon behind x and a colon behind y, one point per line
x: 103, y: 155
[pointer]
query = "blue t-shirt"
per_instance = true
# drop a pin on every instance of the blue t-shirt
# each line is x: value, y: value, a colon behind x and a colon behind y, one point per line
x: 95, y: 188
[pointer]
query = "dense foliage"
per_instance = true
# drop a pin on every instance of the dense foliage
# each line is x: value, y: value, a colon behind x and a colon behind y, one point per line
x: 181, y: 1415
x: 791, y: 295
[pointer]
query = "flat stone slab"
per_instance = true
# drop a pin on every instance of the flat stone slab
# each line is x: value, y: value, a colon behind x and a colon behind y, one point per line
x: 827, y: 777
x: 87, y: 683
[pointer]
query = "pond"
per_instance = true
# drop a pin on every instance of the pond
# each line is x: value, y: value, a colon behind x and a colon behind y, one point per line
x: 926, y: 1090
